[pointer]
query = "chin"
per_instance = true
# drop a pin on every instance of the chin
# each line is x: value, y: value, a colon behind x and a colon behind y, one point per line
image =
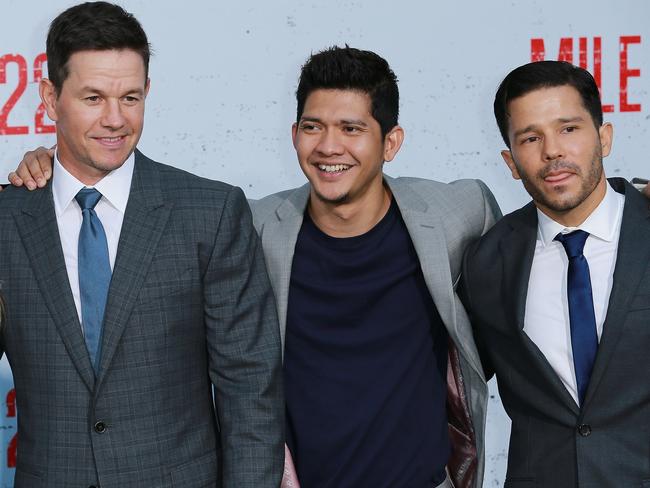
x: 332, y: 199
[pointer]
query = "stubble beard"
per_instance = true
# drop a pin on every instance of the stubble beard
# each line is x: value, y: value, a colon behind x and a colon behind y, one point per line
x: 563, y: 202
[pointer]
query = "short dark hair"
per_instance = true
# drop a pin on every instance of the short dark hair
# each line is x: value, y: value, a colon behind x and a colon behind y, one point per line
x: 347, y: 68
x: 546, y: 74
x: 92, y: 26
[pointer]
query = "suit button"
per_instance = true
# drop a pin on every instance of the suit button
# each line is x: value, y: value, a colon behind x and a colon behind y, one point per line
x: 584, y: 430
x: 100, y: 427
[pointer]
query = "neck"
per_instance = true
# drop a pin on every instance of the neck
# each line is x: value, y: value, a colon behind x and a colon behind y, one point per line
x: 349, y: 219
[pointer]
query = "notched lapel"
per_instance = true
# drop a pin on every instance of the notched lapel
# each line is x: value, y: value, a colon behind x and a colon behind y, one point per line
x: 427, y: 232
x: 517, y: 251
x: 39, y: 232
x: 145, y: 219
x: 279, y: 244
x: 632, y: 258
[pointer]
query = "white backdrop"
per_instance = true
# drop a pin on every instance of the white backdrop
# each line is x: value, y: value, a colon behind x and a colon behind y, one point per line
x: 224, y: 74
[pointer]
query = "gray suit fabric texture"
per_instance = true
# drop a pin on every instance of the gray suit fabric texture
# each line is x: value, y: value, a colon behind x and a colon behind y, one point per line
x: 442, y: 219
x: 554, y: 443
x: 189, y: 308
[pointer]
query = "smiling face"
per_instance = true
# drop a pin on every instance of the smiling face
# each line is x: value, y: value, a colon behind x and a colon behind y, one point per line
x: 341, y: 149
x: 99, y: 112
x: 557, y: 152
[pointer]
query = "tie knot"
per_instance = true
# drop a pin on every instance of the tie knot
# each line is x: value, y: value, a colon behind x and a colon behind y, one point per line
x: 87, y: 198
x: 573, y: 242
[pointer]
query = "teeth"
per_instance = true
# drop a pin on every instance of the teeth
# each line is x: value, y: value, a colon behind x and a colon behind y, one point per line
x: 333, y: 168
x: 111, y: 139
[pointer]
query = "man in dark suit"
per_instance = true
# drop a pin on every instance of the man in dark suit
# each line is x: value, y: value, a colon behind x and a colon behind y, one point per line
x: 559, y: 291
x: 132, y: 288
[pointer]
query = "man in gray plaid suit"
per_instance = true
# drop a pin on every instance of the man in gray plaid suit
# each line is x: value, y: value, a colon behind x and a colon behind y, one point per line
x: 123, y: 313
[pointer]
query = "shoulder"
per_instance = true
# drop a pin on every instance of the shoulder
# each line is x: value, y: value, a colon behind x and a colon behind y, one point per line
x: 523, y: 219
x: 181, y: 187
x: 19, y: 198
x: 465, y: 206
x: 465, y: 190
x: 265, y: 208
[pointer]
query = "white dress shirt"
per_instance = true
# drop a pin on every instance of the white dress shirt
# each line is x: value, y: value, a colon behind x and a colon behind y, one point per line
x: 546, y: 320
x: 115, y: 188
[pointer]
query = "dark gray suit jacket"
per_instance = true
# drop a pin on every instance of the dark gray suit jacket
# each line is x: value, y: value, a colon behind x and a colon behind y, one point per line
x: 554, y: 443
x: 189, y: 306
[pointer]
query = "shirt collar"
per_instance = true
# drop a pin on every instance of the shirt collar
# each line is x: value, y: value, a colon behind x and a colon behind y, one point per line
x: 114, y: 187
x: 603, y: 222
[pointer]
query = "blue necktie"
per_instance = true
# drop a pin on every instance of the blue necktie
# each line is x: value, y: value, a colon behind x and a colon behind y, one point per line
x: 94, y: 271
x: 584, y: 339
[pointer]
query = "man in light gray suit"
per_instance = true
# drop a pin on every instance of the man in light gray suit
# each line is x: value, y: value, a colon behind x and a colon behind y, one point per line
x: 364, y: 267
x: 132, y: 288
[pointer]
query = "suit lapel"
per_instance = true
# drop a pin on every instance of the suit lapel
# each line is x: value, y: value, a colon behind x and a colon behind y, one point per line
x: 279, y: 243
x: 145, y: 219
x: 427, y: 232
x: 39, y: 232
x: 517, y: 250
x: 633, y: 255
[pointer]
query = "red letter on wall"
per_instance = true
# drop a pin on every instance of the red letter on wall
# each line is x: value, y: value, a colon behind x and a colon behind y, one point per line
x: 627, y: 73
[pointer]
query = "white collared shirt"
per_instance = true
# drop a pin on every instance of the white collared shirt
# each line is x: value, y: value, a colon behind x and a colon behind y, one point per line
x: 546, y: 320
x: 115, y: 188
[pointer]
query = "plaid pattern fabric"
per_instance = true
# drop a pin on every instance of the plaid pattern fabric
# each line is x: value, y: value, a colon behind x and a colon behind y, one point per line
x: 189, y: 307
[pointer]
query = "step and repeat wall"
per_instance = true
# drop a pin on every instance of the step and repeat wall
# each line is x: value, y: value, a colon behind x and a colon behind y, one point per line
x: 223, y: 78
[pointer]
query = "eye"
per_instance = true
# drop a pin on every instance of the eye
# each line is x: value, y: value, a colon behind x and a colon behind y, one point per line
x: 571, y: 128
x: 530, y: 139
x: 308, y: 127
x: 351, y: 129
x: 131, y: 99
x: 92, y: 99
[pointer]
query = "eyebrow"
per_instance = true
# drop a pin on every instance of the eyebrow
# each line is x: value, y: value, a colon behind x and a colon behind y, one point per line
x: 561, y: 120
x: 340, y: 122
x: 89, y: 88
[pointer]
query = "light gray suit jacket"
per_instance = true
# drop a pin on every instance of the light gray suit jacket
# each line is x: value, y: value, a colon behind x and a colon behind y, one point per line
x: 442, y: 219
x: 189, y: 307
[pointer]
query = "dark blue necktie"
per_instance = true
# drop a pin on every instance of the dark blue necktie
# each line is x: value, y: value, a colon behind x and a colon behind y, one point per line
x: 94, y: 271
x: 584, y: 339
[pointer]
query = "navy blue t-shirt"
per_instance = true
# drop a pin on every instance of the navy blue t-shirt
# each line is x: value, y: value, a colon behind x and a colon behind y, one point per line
x: 365, y: 362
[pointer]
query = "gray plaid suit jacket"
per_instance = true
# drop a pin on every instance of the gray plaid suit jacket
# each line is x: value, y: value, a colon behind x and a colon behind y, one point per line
x: 442, y: 219
x: 189, y: 307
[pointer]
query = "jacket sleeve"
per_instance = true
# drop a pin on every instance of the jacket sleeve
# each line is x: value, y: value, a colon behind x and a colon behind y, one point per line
x: 244, y: 352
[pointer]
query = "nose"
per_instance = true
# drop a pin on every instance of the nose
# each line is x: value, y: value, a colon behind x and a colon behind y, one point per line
x: 552, y: 148
x: 112, y: 116
x: 329, y: 143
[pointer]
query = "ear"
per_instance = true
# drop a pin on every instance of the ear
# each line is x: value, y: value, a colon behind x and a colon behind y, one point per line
x: 294, y: 134
x: 392, y: 142
x: 49, y: 98
x: 507, y: 157
x: 606, y: 132
x: 146, y: 87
